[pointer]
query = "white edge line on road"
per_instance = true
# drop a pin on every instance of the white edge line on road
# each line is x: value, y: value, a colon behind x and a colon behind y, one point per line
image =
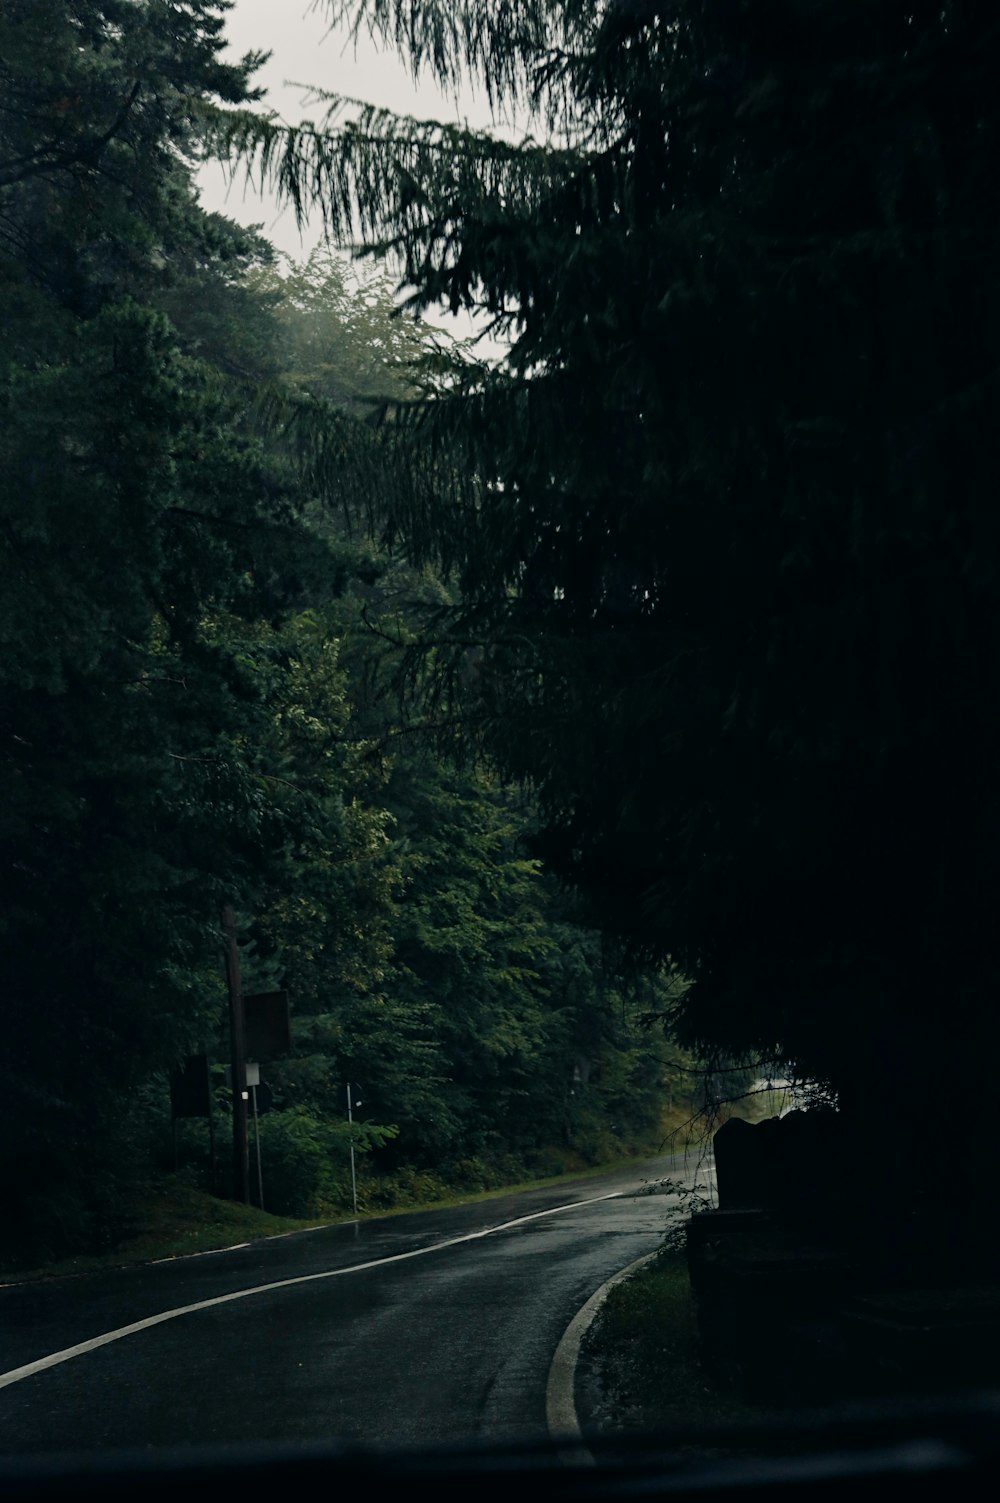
x: 561, y: 1417
x: 29, y: 1369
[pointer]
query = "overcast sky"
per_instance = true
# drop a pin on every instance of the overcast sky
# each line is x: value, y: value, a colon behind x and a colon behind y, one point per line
x: 305, y: 51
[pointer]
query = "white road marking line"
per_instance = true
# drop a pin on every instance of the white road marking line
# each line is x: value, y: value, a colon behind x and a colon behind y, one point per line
x: 209, y: 1252
x: 29, y: 1369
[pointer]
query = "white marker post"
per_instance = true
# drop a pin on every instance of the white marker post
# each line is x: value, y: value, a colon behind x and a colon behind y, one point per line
x: 253, y: 1081
x: 350, y: 1123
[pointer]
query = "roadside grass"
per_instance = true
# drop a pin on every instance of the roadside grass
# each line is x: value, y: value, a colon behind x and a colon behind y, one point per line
x: 476, y: 1179
x: 174, y: 1222
x: 459, y: 1197
x: 643, y: 1351
x: 681, y: 1128
x: 177, y: 1220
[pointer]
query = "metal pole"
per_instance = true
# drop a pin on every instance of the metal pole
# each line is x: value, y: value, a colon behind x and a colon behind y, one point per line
x: 256, y: 1138
x: 212, y: 1156
x: 241, y: 1145
x: 212, y: 1161
x: 350, y: 1123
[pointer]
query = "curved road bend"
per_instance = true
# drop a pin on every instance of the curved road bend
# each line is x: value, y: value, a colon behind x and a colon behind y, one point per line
x: 449, y: 1343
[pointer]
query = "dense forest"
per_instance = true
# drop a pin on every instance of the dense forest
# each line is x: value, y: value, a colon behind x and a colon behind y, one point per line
x: 663, y: 648
x: 201, y: 701
x: 724, y: 521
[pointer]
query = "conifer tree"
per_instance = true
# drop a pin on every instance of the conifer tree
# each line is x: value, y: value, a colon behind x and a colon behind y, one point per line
x: 723, y: 522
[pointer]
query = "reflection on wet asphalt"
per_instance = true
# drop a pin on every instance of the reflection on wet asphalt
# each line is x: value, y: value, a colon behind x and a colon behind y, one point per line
x: 450, y: 1345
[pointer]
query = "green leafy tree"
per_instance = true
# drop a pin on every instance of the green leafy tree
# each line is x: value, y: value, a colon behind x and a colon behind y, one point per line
x: 195, y: 690
x: 470, y: 938
x: 338, y: 336
x: 158, y: 713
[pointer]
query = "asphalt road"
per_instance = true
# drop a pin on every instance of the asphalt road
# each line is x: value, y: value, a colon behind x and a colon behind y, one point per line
x: 429, y: 1329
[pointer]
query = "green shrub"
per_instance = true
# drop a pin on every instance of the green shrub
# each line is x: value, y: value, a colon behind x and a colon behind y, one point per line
x: 304, y: 1159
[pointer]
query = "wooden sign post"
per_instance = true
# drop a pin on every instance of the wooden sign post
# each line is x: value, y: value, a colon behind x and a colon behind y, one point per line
x: 241, y: 1144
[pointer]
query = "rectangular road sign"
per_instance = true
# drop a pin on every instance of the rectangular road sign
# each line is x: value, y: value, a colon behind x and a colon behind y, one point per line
x: 267, y: 1030
x: 190, y: 1088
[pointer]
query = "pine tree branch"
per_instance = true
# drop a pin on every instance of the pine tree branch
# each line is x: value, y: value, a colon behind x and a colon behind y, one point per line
x: 84, y: 153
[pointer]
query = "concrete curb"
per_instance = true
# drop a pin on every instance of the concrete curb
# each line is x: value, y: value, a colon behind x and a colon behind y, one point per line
x: 561, y: 1417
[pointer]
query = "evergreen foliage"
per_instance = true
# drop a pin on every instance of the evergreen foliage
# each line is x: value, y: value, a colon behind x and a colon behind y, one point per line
x: 131, y: 504
x: 722, y: 527
x: 195, y: 706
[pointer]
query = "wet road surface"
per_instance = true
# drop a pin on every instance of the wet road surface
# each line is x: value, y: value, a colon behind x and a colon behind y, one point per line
x: 428, y: 1329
